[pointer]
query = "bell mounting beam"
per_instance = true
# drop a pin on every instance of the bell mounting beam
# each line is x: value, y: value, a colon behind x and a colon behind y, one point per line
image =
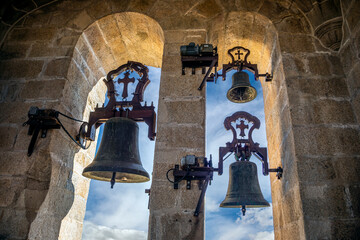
x: 133, y: 108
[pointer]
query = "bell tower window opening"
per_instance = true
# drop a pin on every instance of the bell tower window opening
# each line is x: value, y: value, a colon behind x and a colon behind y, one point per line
x: 257, y: 221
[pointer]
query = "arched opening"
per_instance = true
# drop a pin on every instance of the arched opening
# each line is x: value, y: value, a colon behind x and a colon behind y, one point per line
x: 258, y: 34
x: 103, y: 46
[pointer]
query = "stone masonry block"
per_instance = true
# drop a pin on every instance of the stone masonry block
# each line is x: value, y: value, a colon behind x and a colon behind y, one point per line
x: 177, y: 85
x: 14, y: 224
x: 34, y: 198
x: 330, y: 111
x: 173, y: 155
x: 310, y: 111
x: 315, y: 171
x: 10, y: 91
x: 345, y: 228
x: 58, y: 67
x: 353, y: 16
x: 81, y: 20
x: 326, y: 140
x: 44, y: 50
x: 356, y: 106
x: 294, y: 43
x: 20, y: 69
x: 160, y: 170
x: 331, y: 205
x: 13, y: 163
x: 355, y: 201
x: 182, y: 111
x: 319, y: 65
x: 10, y: 51
x: 13, y: 112
x: 32, y: 34
x: 292, y: 210
x: 183, y: 225
x: 98, y: 10
x: 8, y: 136
x: 7, y: 193
x: 181, y: 136
x: 163, y: 196
x: 348, y: 58
x: 318, y: 229
x: 318, y: 87
x: 348, y: 169
x: 293, y: 66
x: 50, y: 89
x: 353, y: 79
x: 40, y: 168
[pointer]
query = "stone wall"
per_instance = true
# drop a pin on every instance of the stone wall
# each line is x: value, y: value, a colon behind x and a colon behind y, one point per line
x: 54, y: 53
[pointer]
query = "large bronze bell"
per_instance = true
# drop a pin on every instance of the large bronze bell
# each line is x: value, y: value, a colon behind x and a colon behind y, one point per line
x: 118, y: 157
x: 243, y: 189
x: 241, y: 91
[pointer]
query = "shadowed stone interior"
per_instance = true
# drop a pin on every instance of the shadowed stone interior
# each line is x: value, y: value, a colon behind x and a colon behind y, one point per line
x: 54, y: 54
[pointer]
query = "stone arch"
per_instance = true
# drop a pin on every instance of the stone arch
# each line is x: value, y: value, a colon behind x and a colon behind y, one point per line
x: 256, y: 32
x: 103, y: 46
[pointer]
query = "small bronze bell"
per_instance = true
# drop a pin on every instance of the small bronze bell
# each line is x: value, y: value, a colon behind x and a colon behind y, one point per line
x: 243, y: 189
x: 118, y: 158
x: 241, y: 91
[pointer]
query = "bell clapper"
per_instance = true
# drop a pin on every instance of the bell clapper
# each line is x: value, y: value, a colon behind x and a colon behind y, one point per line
x: 243, y: 210
x: 112, y: 182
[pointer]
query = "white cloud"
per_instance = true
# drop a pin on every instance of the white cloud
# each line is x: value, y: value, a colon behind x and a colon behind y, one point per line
x: 92, y: 231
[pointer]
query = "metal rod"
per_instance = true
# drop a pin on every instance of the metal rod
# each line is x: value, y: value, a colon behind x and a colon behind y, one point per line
x: 207, y: 74
x: 201, y: 198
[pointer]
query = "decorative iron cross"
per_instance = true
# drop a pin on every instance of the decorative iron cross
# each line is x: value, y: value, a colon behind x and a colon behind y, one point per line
x: 126, y: 80
x: 239, y: 54
x: 242, y: 127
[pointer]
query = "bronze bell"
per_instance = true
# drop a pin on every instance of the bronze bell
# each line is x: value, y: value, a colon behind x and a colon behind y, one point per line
x: 244, y: 189
x: 241, y: 91
x: 118, y: 157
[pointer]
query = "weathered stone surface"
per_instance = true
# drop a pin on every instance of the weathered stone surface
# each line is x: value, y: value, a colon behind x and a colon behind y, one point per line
x: 43, y: 89
x: 294, y: 43
x: 14, y: 224
x: 326, y: 141
x: 11, y: 51
x: 13, y: 163
x: 308, y: 111
x: 317, y: 87
x: 20, y: 69
x: 316, y: 171
x: 345, y: 229
x: 312, y: 108
x: 8, y: 134
x: 188, y: 111
x: 10, y: 91
x: 43, y: 50
x: 347, y: 168
x: 32, y: 34
x: 181, y: 136
x: 319, y: 65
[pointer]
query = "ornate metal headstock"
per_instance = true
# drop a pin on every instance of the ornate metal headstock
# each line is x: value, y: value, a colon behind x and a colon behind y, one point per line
x: 142, y: 82
x: 130, y: 109
x: 241, y: 54
x: 243, y: 147
x: 244, y: 116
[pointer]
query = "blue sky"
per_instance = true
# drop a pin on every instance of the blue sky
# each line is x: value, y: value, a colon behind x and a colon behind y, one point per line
x: 122, y: 213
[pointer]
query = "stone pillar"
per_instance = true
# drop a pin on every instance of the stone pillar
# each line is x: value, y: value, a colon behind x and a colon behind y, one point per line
x: 318, y: 198
x: 180, y: 131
